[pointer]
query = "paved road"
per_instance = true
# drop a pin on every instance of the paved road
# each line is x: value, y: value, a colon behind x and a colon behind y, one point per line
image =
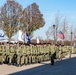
x: 64, y: 67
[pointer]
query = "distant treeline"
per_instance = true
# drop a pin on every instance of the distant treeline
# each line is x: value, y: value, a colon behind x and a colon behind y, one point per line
x: 43, y: 42
x: 52, y: 42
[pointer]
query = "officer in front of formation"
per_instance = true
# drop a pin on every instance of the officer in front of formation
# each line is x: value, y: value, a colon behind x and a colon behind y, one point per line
x: 53, y: 55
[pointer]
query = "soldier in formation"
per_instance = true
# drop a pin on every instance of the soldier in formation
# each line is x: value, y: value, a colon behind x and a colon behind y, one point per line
x: 23, y: 54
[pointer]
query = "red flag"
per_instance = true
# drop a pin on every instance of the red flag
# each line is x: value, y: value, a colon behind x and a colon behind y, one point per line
x: 60, y: 34
x: 75, y: 38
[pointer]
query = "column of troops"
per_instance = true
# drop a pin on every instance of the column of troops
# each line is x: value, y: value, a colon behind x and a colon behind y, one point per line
x: 22, y: 54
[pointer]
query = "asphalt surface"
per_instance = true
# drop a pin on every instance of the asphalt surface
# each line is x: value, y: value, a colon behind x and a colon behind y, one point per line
x: 64, y: 67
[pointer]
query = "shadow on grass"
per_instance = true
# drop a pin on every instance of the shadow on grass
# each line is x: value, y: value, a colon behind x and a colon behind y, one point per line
x: 64, y: 67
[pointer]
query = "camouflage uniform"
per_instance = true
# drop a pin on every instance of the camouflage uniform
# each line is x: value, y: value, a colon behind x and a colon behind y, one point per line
x: 25, y: 58
x: 23, y: 55
x: 1, y: 54
x: 33, y: 54
x: 4, y: 53
x: 70, y: 51
x: 18, y: 55
x: 11, y: 55
x: 60, y: 52
x: 28, y: 54
x: 39, y: 54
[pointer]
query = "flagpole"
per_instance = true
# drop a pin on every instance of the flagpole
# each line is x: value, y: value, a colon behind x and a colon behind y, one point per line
x: 71, y: 36
x: 54, y: 33
x: 63, y: 39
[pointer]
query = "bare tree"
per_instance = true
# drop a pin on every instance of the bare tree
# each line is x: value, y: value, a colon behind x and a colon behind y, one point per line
x: 57, y: 24
x: 65, y: 27
x: 58, y: 21
x: 48, y: 34
x: 60, y: 24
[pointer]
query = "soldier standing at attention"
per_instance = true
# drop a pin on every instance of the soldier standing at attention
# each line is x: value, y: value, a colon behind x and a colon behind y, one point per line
x: 1, y: 54
x: 60, y: 52
x: 18, y: 54
x: 53, y: 55
x: 70, y: 51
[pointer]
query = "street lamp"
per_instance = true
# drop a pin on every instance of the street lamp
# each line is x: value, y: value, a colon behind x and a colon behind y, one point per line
x: 71, y: 46
x: 54, y: 33
x: 71, y: 37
